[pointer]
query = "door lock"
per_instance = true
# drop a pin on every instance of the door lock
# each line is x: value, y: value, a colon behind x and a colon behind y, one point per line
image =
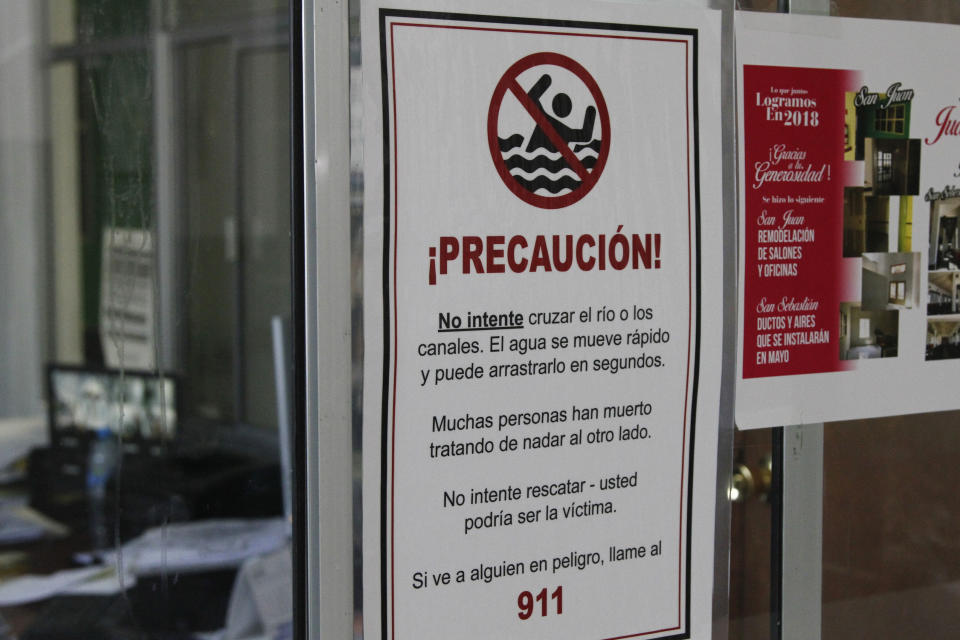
x: 745, y: 484
x: 742, y: 484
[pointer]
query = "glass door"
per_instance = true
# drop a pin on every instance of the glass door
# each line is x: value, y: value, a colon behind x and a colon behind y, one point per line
x: 891, y: 556
x: 857, y: 536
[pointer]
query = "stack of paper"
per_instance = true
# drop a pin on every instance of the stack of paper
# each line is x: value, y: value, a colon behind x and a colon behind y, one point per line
x: 201, y: 545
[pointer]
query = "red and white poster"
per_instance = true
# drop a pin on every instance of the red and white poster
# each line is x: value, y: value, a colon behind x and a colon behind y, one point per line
x: 541, y: 378
x: 850, y: 304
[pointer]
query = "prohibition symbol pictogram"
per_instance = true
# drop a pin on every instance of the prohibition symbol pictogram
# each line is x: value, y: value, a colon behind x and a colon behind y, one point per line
x: 549, y: 164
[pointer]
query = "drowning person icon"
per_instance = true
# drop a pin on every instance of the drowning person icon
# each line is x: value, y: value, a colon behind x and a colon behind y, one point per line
x: 562, y: 106
x: 558, y: 160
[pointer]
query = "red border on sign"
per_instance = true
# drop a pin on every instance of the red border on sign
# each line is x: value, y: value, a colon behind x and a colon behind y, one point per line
x: 690, y: 240
x: 509, y: 83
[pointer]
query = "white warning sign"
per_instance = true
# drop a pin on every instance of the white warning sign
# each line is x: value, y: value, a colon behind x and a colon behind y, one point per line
x: 541, y: 365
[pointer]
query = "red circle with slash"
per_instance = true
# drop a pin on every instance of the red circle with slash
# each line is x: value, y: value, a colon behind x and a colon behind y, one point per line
x: 588, y: 177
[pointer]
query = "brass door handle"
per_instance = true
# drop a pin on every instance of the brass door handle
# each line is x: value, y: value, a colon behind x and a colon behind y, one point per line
x: 742, y: 484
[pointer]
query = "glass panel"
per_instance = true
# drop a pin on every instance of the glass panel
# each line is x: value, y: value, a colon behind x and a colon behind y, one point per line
x: 750, y: 536
x: 71, y: 22
x: 923, y: 10
x: 61, y: 22
x: 183, y: 13
x: 891, y: 562
x: 265, y: 220
x: 890, y: 558
x: 108, y: 19
x: 65, y: 204
x: 116, y: 147
x: 758, y: 5
x: 208, y: 190
x: 145, y: 245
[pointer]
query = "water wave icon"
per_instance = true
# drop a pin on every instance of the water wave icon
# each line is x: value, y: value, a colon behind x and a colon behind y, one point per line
x: 542, y: 171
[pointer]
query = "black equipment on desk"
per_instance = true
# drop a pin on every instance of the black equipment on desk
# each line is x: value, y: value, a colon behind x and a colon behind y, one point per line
x: 140, y: 407
x: 152, y: 491
x: 165, y: 477
x: 135, y: 616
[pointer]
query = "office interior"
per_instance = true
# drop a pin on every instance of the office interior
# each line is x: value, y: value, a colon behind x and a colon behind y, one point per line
x: 890, y: 281
x: 868, y: 333
x: 944, y: 235
x: 892, y: 167
x: 173, y: 117
x: 943, y: 293
x: 876, y: 223
x: 943, y: 339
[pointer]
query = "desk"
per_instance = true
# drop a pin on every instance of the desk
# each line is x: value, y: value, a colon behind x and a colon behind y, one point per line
x: 42, y: 557
x: 170, y: 605
x: 152, y: 491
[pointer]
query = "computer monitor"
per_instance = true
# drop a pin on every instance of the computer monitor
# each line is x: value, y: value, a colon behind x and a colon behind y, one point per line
x: 141, y: 407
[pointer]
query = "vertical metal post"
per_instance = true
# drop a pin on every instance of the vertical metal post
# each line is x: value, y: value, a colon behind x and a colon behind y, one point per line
x: 298, y: 289
x: 327, y: 322
x: 24, y: 319
x: 280, y: 340
x: 167, y: 302
x: 802, y: 533
x: 721, y: 573
x: 776, y: 534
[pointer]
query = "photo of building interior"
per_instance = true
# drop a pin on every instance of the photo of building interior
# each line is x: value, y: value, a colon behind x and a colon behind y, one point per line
x: 867, y: 334
x: 877, y: 121
x: 943, y: 339
x: 890, y: 281
x: 892, y: 167
x: 943, y: 293
x: 868, y: 220
x: 944, y: 238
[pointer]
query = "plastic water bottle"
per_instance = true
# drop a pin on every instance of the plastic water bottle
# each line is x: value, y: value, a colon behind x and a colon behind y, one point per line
x: 101, y: 463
